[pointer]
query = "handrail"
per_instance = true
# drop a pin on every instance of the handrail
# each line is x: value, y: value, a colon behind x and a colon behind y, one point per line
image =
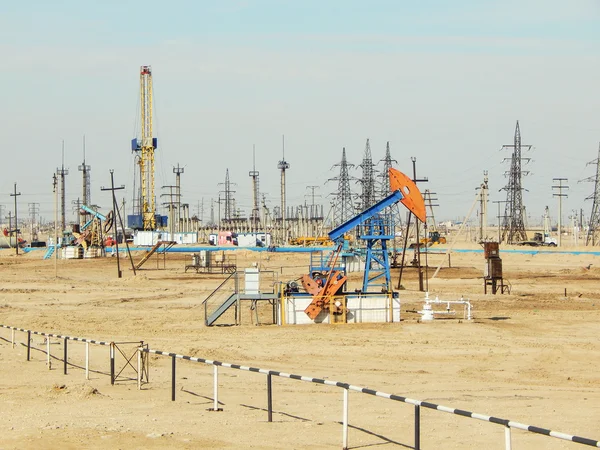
x: 417, y: 403
x: 205, y: 302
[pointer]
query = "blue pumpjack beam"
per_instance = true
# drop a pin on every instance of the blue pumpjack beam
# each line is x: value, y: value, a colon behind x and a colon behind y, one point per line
x: 338, y: 233
x: 94, y: 213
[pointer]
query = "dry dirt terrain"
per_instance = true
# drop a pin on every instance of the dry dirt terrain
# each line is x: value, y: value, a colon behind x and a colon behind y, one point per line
x: 530, y: 356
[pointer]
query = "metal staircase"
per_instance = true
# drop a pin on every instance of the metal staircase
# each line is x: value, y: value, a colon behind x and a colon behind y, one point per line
x: 49, y: 251
x: 221, y: 299
x: 228, y: 303
x: 167, y: 244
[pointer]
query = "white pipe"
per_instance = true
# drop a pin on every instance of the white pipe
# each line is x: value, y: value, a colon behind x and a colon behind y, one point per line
x: 507, y: 442
x: 216, y: 388
x: 448, y: 302
x: 345, y: 421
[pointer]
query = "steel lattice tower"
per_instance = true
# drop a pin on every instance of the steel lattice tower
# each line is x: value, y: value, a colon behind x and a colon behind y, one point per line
x: 255, y: 214
x: 513, y: 227
x: 283, y: 165
x: 367, y: 196
x: 343, y: 208
x: 594, y: 223
x: 62, y: 172
x: 229, y: 200
x: 385, y: 175
x: 145, y: 147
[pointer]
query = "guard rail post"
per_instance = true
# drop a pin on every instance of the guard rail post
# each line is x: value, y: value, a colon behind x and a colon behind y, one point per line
x: 269, y: 399
x: 28, y: 345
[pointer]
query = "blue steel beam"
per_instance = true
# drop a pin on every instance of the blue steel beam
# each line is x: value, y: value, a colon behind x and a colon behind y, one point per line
x: 94, y: 213
x: 338, y: 233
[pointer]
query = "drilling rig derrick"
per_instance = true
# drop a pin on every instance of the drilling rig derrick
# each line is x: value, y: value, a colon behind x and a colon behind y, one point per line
x: 145, y: 147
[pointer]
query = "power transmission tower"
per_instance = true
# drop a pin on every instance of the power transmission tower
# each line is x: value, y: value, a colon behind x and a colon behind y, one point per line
x: 513, y: 229
x: 229, y: 200
x: 62, y: 172
x: 385, y: 176
x: 86, y: 192
x: 343, y: 208
x: 560, y: 196
x: 367, y: 196
x: 212, y: 211
x: 255, y: 214
x: 594, y: 222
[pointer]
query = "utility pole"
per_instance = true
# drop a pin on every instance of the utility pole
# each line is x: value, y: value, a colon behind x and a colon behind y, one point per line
x: 483, y: 199
x: 63, y: 172
x: 499, y: 220
x: 15, y: 195
x: 255, y: 214
x: 417, y: 180
x: 86, y: 197
x: 418, y: 247
x: 171, y: 206
x: 313, y: 206
x: 560, y: 195
x: 283, y: 165
x: 178, y: 171
x: 427, y: 196
x: 55, y: 189
x: 117, y: 215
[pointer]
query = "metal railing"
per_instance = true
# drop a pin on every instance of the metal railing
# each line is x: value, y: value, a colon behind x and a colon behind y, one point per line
x: 418, y: 404
x: 142, y: 372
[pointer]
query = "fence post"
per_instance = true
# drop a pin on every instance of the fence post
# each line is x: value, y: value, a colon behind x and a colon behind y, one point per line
x: 417, y: 427
x: 65, y: 358
x: 139, y: 368
x: 48, y: 353
x: 269, y: 399
x: 173, y: 378
x: 507, y: 442
x: 345, y: 421
x: 216, y: 388
x: 112, y: 362
x: 28, y: 344
x: 87, y: 360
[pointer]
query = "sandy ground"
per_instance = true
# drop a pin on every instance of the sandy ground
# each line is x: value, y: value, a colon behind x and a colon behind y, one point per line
x: 530, y: 356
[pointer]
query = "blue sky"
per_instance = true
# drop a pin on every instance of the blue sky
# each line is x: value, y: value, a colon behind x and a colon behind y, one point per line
x: 442, y: 81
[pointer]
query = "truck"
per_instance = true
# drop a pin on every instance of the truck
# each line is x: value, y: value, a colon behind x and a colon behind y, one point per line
x: 544, y: 239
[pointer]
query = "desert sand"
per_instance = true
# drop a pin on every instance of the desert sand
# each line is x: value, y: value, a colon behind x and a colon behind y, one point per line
x: 530, y: 356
